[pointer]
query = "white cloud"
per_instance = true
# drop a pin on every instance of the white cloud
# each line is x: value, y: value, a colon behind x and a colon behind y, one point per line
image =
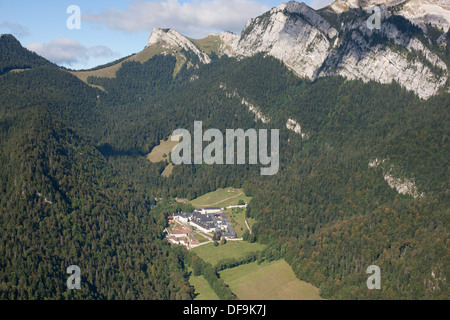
x: 319, y: 4
x: 196, y: 18
x: 65, y: 51
x: 17, y: 30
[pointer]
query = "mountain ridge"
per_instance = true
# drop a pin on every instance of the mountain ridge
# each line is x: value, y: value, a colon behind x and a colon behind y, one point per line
x: 306, y: 43
x: 321, y: 43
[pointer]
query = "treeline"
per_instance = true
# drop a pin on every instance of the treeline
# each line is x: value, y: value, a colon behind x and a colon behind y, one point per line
x: 270, y: 253
x: 233, y: 262
x: 14, y: 56
x: 62, y: 203
x: 205, y: 269
x: 211, y: 273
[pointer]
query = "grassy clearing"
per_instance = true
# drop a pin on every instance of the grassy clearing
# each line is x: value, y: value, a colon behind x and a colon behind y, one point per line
x: 268, y: 281
x: 202, y: 288
x: 168, y: 170
x: 232, y: 249
x: 209, y: 44
x: 237, y: 219
x: 143, y: 56
x: 18, y: 70
x: 162, y: 151
x: 110, y: 72
x: 200, y: 237
x: 221, y: 198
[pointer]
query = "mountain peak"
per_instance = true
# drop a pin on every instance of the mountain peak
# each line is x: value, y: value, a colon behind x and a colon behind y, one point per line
x: 9, y: 36
x: 344, y: 5
x: 291, y: 6
x: 15, y: 56
x: 293, y: 33
x: 171, y: 39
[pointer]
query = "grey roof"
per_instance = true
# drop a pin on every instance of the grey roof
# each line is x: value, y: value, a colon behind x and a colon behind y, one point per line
x: 208, y: 221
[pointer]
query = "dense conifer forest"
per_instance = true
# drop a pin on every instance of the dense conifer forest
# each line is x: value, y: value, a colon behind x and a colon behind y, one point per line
x: 76, y: 187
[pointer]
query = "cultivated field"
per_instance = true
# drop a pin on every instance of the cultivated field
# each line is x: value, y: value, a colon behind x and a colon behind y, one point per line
x: 232, y: 249
x: 221, y: 198
x: 268, y: 281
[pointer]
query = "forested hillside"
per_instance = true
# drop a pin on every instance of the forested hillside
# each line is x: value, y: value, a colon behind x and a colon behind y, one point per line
x: 327, y: 210
x: 76, y: 186
x: 62, y: 203
x: 14, y: 57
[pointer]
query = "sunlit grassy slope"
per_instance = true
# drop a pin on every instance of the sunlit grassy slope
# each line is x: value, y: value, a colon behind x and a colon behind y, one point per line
x: 268, y: 281
x: 221, y: 198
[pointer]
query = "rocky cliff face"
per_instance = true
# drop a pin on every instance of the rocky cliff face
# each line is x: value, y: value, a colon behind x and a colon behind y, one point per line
x: 402, y: 185
x: 293, y: 33
x: 307, y: 43
x: 419, y: 12
x: 386, y: 55
x: 337, y: 41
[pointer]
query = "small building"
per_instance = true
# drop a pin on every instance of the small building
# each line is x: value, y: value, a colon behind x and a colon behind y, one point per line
x: 204, y: 222
x: 238, y: 206
x: 210, y: 210
x: 204, y: 226
x: 180, y: 232
x: 182, y: 217
x: 194, y: 241
x: 173, y: 240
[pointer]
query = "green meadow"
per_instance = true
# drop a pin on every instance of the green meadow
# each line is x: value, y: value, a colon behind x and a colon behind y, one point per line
x: 203, y: 290
x: 237, y: 219
x: 232, y: 249
x: 268, y: 281
x: 221, y: 198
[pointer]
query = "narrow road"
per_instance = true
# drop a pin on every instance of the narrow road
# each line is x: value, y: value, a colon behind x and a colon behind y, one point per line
x: 248, y: 227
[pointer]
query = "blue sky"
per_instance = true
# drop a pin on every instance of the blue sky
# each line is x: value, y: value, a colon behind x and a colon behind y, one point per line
x: 116, y: 28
